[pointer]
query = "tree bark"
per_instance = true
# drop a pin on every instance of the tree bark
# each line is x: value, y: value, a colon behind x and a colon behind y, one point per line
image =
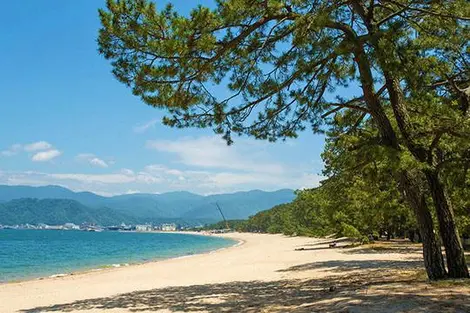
x: 456, y: 264
x: 433, y: 260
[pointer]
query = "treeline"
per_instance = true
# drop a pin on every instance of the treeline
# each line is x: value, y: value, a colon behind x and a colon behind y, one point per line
x: 345, y: 209
x: 361, y: 198
x: 312, y: 214
x: 232, y: 224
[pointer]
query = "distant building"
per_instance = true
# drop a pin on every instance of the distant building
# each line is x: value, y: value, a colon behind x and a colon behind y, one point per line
x: 125, y: 227
x: 168, y: 227
x: 143, y: 227
x: 71, y: 226
x: 54, y: 227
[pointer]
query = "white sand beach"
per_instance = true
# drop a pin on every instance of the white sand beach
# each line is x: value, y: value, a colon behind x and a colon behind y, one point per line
x: 266, y: 273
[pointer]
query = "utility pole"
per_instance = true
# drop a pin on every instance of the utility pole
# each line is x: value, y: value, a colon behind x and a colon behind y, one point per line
x: 221, y: 213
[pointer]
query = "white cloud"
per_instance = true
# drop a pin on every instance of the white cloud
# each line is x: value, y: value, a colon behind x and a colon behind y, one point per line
x: 156, y: 168
x: 213, y: 152
x: 92, y: 159
x: 230, y: 179
x: 84, y: 156
x: 37, y: 146
x: 142, y: 128
x: 148, y: 178
x: 127, y: 171
x: 25, y: 178
x: 158, y: 178
x: 204, y: 165
x: 132, y: 191
x: 46, y: 155
x: 9, y: 153
x: 13, y: 150
x: 125, y: 176
x: 95, y: 178
x: 233, y: 181
x: 98, y: 162
x: 43, y: 151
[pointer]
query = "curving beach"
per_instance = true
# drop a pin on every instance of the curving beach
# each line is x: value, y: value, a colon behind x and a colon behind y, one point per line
x: 265, y: 273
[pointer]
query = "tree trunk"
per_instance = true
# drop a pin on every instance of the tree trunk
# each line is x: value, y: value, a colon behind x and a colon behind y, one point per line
x: 455, y: 256
x: 456, y: 264
x: 411, y: 235
x: 433, y: 260
x: 432, y: 254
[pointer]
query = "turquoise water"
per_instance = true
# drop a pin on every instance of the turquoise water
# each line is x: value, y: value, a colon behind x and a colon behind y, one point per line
x: 28, y: 254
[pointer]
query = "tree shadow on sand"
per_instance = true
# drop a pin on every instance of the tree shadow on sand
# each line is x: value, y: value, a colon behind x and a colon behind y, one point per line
x: 401, y: 247
x: 374, y: 289
x: 326, y: 242
x: 345, y: 266
x: 347, y: 246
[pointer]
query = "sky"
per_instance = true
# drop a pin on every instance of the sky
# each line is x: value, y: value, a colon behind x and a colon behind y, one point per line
x: 65, y: 120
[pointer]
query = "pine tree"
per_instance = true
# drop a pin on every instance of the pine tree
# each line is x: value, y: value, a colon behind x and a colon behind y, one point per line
x: 282, y: 60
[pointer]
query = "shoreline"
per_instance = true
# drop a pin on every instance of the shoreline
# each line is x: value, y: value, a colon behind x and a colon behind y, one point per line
x: 261, y: 273
x: 116, y: 266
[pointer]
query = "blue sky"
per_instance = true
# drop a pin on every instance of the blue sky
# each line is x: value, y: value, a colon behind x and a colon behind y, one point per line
x: 66, y: 121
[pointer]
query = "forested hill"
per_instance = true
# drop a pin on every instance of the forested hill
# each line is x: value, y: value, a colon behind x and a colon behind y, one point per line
x: 57, y: 212
x: 172, y: 205
x: 348, y: 207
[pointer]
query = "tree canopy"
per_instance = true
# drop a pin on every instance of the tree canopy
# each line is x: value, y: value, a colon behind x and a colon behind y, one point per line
x: 285, y: 63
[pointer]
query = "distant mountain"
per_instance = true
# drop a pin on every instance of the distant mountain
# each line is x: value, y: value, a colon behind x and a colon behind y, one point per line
x: 239, y: 205
x: 172, y: 205
x: 57, y: 212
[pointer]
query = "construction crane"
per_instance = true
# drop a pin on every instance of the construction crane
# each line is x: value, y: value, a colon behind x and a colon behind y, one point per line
x: 221, y: 213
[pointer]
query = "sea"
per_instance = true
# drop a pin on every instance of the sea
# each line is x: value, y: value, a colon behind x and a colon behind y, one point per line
x: 29, y: 254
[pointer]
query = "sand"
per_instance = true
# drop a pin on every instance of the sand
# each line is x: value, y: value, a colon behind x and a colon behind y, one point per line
x: 266, y: 273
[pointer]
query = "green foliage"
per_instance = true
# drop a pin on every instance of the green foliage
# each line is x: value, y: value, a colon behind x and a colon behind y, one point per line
x: 350, y: 231
x: 279, y: 59
x: 233, y: 225
x: 57, y: 212
x: 360, y: 199
x: 324, y: 211
x: 283, y: 61
x: 458, y: 184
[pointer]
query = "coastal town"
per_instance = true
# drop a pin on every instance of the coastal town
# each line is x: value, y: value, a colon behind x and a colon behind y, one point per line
x: 97, y: 228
